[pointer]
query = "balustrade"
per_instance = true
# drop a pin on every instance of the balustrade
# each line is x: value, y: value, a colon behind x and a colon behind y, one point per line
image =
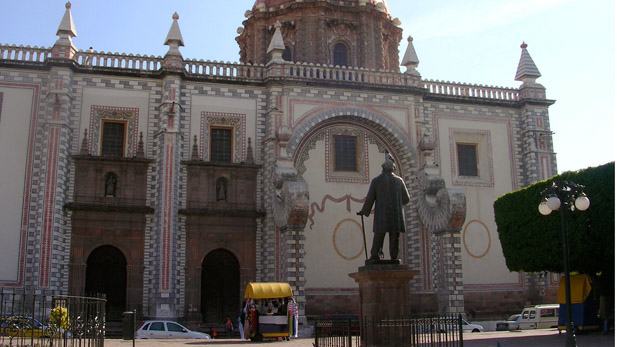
x: 227, y: 70
x: 24, y: 53
x: 470, y: 90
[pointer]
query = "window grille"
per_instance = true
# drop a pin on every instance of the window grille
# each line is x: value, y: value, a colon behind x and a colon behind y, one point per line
x: 345, y: 153
x: 113, y: 139
x: 467, y: 159
x: 220, y: 145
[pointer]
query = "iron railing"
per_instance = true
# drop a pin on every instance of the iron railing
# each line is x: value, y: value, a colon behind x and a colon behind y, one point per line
x: 438, y: 331
x: 25, y: 320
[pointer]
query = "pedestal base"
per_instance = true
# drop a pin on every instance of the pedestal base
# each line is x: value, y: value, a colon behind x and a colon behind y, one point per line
x: 384, y: 297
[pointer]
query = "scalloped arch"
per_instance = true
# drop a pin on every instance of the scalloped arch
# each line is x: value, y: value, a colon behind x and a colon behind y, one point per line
x: 387, y: 131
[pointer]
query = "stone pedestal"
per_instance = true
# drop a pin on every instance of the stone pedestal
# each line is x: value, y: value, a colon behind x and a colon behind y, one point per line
x: 384, y: 302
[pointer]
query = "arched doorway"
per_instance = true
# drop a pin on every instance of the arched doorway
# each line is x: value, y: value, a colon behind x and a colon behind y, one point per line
x: 106, y: 274
x: 220, y: 286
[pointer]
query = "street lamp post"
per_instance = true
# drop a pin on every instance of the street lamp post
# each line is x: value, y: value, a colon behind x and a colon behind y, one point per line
x: 558, y: 196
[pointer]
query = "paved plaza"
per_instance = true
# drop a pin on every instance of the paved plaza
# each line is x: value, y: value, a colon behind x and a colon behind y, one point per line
x: 526, y: 338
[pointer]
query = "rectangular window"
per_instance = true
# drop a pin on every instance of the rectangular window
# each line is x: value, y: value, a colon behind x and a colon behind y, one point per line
x: 113, y: 139
x: 547, y: 313
x: 345, y: 153
x: 467, y: 159
x: 220, y: 145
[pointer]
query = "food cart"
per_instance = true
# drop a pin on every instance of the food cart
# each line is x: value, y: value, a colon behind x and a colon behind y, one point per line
x: 584, y: 312
x: 270, y: 311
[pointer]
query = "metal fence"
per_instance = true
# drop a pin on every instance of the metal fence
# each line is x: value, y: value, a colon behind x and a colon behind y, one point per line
x: 418, y: 331
x: 26, y: 320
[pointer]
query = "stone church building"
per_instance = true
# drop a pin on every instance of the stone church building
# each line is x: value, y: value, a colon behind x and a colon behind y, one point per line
x: 169, y: 183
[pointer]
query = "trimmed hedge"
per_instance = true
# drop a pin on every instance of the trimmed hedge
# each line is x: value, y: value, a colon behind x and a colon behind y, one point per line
x: 531, y: 242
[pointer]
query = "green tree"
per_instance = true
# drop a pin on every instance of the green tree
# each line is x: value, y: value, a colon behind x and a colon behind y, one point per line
x: 531, y: 242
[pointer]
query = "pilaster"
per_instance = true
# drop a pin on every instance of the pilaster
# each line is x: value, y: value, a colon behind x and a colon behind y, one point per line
x: 167, y: 261
x: 539, y: 159
x: 53, y: 254
x: 450, y: 293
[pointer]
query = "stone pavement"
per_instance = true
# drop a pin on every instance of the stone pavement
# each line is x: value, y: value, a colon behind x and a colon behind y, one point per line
x: 526, y: 338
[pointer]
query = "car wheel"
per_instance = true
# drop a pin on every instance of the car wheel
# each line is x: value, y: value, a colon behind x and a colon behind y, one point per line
x: 475, y: 331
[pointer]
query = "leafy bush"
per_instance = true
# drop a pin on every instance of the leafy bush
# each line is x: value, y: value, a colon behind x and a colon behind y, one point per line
x: 59, y: 318
x: 531, y: 242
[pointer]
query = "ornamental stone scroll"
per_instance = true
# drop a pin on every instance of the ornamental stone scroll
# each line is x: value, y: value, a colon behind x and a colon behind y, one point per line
x: 441, y: 209
x: 291, y: 204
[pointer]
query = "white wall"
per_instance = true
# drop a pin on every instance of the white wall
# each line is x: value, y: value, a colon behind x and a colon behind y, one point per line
x: 15, y: 119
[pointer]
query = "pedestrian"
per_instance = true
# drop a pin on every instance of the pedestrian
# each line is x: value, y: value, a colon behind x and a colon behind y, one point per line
x: 241, y: 327
x: 229, y: 326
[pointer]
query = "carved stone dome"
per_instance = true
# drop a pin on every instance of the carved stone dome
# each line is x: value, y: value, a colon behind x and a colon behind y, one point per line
x: 275, y: 3
x: 352, y: 33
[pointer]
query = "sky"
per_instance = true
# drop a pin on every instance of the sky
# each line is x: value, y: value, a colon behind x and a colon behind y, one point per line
x: 572, y: 43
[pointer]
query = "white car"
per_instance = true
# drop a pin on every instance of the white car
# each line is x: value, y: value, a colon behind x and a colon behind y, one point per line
x: 449, y: 324
x: 163, y: 329
x: 510, y: 324
x: 470, y: 327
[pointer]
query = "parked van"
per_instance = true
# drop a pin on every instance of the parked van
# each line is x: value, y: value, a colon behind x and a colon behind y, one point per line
x: 539, y: 317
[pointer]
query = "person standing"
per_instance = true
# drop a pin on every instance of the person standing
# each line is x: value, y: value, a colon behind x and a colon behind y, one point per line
x: 241, y: 319
x: 389, y: 193
x: 229, y: 326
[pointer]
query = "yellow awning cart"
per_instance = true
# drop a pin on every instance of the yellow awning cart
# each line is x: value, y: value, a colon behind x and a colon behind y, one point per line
x: 271, y: 311
x: 584, y: 312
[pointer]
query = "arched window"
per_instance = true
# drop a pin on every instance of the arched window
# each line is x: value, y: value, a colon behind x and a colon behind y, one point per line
x: 111, y: 182
x: 287, y: 56
x: 340, y: 55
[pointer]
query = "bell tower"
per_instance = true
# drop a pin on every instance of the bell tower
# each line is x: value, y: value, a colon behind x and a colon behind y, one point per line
x: 354, y: 33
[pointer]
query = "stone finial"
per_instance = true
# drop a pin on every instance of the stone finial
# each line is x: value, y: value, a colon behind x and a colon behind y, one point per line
x: 84, y: 144
x: 250, y: 158
x: 527, y: 71
x: 410, y: 59
x: 174, y: 37
x: 140, y: 146
x: 195, y: 152
x: 66, y: 29
x: 63, y: 48
x: 426, y: 146
x: 277, y: 45
x: 427, y: 143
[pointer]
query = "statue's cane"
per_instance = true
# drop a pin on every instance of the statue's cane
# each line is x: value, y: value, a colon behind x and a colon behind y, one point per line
x: 363, y: 235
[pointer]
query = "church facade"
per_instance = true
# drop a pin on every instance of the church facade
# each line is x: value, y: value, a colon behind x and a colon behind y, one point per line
x: 169, y: 183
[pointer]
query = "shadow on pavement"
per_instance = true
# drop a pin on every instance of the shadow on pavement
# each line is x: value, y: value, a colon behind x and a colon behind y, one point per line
x: 584, y: 340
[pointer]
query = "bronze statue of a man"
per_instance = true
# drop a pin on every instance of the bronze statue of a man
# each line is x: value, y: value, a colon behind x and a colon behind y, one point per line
x: 389, y: 193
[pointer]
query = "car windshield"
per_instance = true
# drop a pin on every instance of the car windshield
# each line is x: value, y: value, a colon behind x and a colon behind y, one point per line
x: 513, y: 317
